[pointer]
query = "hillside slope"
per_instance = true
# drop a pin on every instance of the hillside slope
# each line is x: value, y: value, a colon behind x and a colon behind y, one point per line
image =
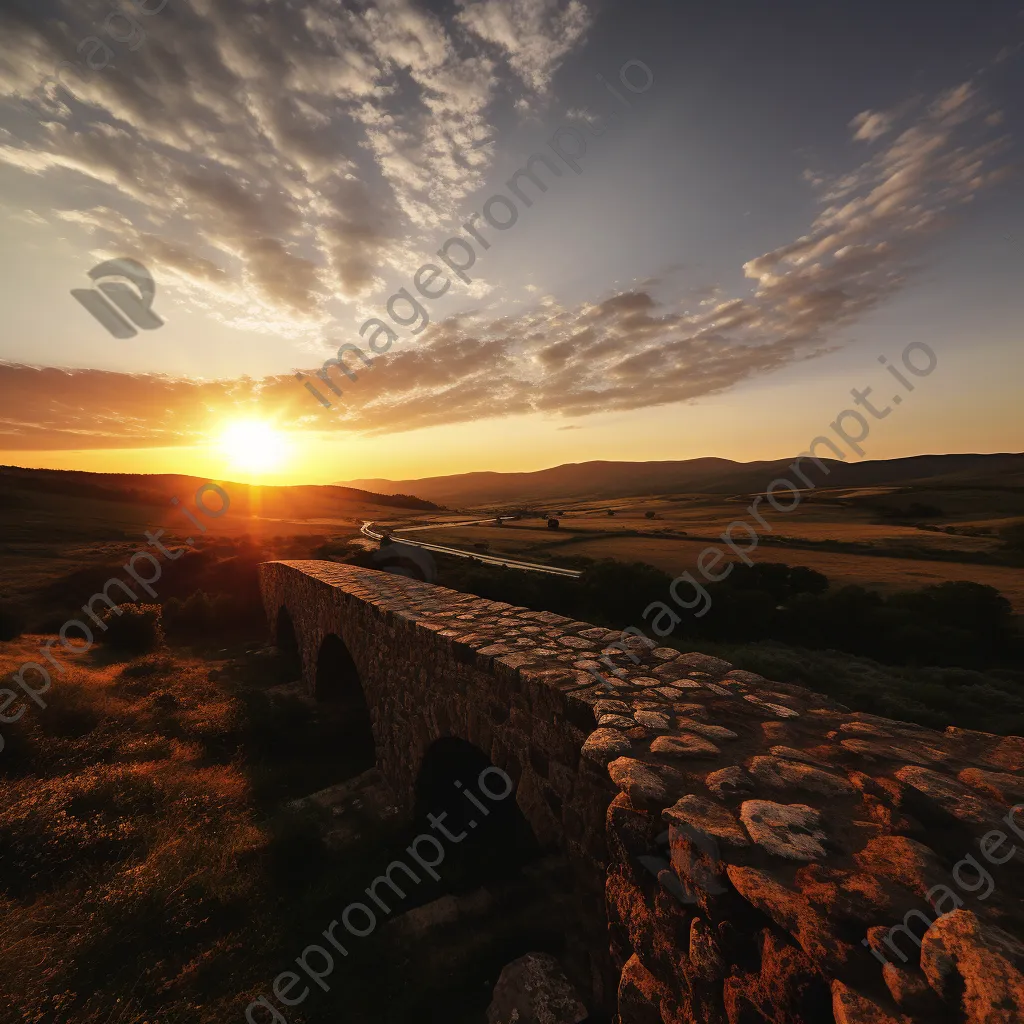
x: 157, y: 489
x: 711, y: 475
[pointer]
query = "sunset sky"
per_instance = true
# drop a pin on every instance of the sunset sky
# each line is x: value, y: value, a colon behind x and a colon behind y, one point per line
x: 792, y: 191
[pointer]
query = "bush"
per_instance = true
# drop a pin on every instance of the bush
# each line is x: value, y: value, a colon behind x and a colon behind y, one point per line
x: 955, y: 624
x: 204, y: 617
x: 192, y: 617
x: 12, y: 620
x: 134, y: 628
x: 161, y: 664
x: 335, y: 548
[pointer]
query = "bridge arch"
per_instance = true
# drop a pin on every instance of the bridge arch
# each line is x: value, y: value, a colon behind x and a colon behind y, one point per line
x: 337, y: 683
x: 435, y: 697
x: 459, y: 788
x: 287, y: 642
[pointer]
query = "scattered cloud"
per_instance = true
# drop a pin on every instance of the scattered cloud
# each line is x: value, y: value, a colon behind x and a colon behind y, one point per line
x: 629, y: 350
x: 870, y: 125
x: 534, y: 35
x: 267, y: 156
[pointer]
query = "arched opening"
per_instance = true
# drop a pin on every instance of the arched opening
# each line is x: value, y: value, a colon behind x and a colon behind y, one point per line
x: 338, y: 685
x: 287, y: 644
x: 468, y: 795
x: 514, y: 896
x: 405, y: 560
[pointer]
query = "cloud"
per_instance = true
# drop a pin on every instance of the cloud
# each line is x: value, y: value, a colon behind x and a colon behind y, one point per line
x: 869, y: 125
x: 534, y: 34
x: 270, y: 154
x: 629, y: 350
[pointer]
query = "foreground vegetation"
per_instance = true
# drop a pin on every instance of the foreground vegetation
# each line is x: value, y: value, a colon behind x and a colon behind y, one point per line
x: 153, y: 873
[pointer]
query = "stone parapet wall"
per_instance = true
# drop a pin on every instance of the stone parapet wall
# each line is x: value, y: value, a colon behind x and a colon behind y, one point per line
x: 746, y: 851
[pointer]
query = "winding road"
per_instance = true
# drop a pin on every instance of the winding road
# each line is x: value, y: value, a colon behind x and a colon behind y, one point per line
x: 511, y: 563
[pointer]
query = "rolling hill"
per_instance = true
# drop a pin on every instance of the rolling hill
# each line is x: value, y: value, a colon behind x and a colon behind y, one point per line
x: 598, y: 480
x: 157, y: 489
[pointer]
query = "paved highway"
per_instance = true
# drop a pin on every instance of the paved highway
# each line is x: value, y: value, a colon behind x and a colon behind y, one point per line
x: 367, y: 531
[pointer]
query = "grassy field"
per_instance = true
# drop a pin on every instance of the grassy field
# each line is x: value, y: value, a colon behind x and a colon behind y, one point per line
x: 873, y: 571
x: 840, y: 534
x: 39, y: 516
x: 156, y: 872
x: 48, y: 534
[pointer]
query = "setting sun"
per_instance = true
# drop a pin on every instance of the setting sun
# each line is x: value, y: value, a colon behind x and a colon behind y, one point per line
x: 253, y: 445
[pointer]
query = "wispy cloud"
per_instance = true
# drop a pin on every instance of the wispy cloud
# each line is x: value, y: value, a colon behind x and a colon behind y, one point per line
x: 627, y: 351
x: 265, y: 156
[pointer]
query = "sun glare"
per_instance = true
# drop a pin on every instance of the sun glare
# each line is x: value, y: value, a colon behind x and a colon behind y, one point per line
x: 253, y: 445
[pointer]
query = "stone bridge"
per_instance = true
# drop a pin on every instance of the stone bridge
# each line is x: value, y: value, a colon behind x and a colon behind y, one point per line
x: 744, y: 851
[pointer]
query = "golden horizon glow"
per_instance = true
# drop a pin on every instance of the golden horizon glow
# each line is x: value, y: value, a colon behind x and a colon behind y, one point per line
x: 253, y: 446
x: 764, y: 422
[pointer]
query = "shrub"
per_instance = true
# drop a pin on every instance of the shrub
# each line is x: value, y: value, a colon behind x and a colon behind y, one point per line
x: 193, y: 616
x: 954, y: 624
x: 930, y: 696
x: 12, y: 620
x: 336, y: 548
x: 206, y: 617
x: 134, y: 628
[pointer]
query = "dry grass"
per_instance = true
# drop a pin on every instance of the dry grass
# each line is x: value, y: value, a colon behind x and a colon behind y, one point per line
x: 151, y: 874
x: 709, y: 519
x: 127, y: 849
x: 587, y: 531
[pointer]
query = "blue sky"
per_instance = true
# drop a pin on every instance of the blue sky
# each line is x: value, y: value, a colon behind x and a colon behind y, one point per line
x: 802, y: 187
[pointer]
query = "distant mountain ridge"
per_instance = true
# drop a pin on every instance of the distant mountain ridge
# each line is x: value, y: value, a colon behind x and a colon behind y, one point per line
x: 157, y: 488
x: 605, y: 479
